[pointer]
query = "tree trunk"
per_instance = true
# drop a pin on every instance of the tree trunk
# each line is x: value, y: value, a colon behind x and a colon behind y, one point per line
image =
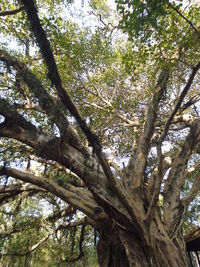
x: 110, y: 250
x: 122, y: 248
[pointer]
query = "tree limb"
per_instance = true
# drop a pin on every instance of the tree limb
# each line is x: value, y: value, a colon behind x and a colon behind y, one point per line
x: 16, y: 126
x: 66, y: 99
x: 77, y: 198
x: 29, y: 251
x: 179, y: 102
x: 81, y: 253
x: 69, y: 210
x: 11, y: 12
x: 176, y: 178
x: 35, y: 86
x: 157, y: 186
x: 193, y: 191
x: 49, y: 146
x: 144, y: 142
x: 82, y: 221
x: 18, y: 187
x: 187, y: 20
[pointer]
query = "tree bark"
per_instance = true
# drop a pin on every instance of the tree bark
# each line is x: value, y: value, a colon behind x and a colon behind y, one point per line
x: 123, y: 248
x: 110, y: 250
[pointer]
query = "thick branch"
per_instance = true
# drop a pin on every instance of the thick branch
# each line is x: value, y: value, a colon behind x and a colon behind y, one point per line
x: 77, y: 198
x: 144, y: 142
x: 18, y: 187
x: 52, y: 109
x: 69, y: 210
x: 53, y: 71
x: 49, y: 147
x: 82, y: 221
x: 16, y: 126
x: 157, y: 186
x: 11, y: 191
x: 176, y: 178
x: 54, y: 76
x: 184, y: 118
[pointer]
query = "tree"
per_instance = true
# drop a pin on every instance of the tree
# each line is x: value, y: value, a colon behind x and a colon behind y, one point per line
x: 95, y: 123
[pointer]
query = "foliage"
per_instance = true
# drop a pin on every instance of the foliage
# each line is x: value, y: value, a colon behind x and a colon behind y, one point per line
x: 142, y: 18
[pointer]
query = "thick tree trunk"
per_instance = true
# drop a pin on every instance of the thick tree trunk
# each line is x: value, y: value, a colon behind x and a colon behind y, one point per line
x: 110, y: 251
x: 123, y: 249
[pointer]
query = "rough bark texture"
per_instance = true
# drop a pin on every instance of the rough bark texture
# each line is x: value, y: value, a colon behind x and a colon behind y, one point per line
x: 124, y: 248
x: 111, y: 251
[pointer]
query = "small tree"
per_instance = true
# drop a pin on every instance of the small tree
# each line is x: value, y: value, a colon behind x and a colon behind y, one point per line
x: 103, y: 125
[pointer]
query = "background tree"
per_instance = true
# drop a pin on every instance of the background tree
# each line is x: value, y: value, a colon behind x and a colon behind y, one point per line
x: 99, y: 132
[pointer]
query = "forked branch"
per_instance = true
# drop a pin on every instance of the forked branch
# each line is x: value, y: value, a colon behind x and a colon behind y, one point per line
x: 66, y: 99
x: 179, y: 102
x: 144, y: 142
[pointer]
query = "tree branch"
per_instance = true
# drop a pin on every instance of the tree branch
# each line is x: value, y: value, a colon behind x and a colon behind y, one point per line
x: 16, y: 126
x: 69, y: 210
x: 193, y: 191
x: 52, y: 109
x: 76, y: 197
x: 144, y: 142
x: 157, y: 186
x: 48, y: 146
x: 81, y: 253
x: 51, y: 147
x: 179, y: 102
x: 66, y: 99
x: 53, y: 71
x: 187, y: 20
x: 18, y: 187
x: 82, y: 221
x: 11, y: 12
x: 11, y: 191
x: 29, y: 251
x: 176, y: 178
x: 46, y: 102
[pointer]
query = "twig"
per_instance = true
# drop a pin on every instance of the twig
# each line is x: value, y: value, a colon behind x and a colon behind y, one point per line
x: 11, y: 12
x: 187, y: 20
